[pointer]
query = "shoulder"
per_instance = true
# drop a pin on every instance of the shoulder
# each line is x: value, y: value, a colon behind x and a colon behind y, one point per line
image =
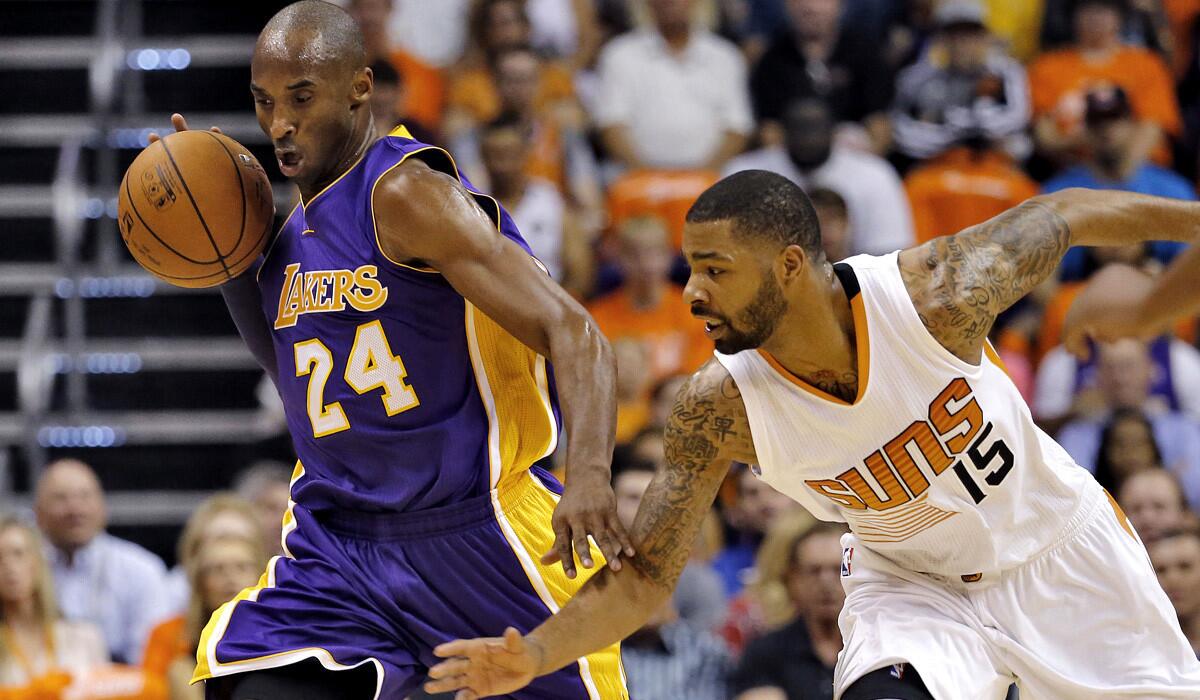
x: 134, y: 555
x: 867, y: 164
x: 1075, y: 176
x: 1054, y: 60
x: 913, y: 77
x: 1169, y: 182
x: 1142, y: 57
x: 626, y: 47
x: 80, y: 637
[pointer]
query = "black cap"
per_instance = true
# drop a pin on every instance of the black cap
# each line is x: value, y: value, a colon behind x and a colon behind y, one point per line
x: 1106, y: 104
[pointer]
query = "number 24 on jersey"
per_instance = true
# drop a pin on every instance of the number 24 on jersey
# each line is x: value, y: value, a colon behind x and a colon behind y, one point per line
x: 370, y: 366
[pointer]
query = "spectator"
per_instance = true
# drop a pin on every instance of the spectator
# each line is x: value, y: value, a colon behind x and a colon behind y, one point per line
x: 473, y: 98
x: 534, y: 203
x: 817, y: 58
x: 559, y: 152
x: 1143, y: 23
x: 268, y: 486
x: 1067, y: 387
x: 699, y: 598
x: 963, y: 187
x: 435, y: 32
x: 1127, y: 446
x: 1124, y: 374
x: 112, y: 583
x: 388, y: 103
x: 219, y: 515
x: 1059, y: 81
x: 1112, y: 161
x: 633, y: 381
x: 1176, y: 559
x: 797, y: 660
x: 755, y: 508
x: 764, y: 604
x: 648, y: 308
x: 969, y: 89
x: 880, y: 218
x: 672, y: 97
x: 668, y: 659
x: 1154, y: 502
x: 833, y: 218
x: 40, y: 650
x: 564, y: 29
x: 223, y: 565
x: 423, y: 92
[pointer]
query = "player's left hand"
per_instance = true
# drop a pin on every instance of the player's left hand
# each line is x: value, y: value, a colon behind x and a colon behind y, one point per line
x: 485, y: 667
x: 587, y: 507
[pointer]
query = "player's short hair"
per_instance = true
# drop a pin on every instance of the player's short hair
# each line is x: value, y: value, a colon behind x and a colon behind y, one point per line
x: 762, y: 206
x: 339, y: 39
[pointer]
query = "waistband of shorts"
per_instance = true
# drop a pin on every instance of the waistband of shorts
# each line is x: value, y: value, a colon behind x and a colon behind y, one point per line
x: 423, y: 524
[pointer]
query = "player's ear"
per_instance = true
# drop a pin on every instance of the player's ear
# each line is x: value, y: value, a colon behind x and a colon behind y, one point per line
x: 361, y: 87
x: 792, y: 262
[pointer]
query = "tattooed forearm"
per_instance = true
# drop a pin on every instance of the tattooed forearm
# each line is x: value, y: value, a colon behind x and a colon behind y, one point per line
x: 706, y: 431
x: 960, y: 283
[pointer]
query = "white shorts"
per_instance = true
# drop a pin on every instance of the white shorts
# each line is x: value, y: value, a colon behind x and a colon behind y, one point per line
x: 1085, y: 619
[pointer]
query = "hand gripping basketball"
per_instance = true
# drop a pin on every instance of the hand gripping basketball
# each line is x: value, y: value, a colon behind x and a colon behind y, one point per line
x: 195, y: 208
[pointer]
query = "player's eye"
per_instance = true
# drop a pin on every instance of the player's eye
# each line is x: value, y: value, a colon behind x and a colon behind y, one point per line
x: 302, y: 98
x: 714, y: 272
x: 262, y: 101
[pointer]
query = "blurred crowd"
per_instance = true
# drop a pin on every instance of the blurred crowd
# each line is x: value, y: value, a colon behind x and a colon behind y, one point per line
x: 596, y: 123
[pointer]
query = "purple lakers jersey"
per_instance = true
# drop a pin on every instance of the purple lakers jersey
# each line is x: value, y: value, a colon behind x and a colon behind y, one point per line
x: 400, y: 395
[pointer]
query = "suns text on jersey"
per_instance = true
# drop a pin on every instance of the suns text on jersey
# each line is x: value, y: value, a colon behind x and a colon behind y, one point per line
x: 318, y: 291
x: 953, y: 434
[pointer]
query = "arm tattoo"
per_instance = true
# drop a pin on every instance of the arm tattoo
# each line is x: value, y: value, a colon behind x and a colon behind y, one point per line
x: 706, y: 431
x: 960, y: 283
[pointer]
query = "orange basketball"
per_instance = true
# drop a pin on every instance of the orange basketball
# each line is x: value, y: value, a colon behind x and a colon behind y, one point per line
x: 195, y: 209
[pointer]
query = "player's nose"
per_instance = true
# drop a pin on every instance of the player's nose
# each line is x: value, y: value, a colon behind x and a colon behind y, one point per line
x: 281, y: 129
x: 692, y: 292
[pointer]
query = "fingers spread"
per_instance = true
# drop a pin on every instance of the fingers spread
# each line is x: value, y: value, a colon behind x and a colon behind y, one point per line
x: 582, y: 548
x: 451, y: 668
x: 179, y: 122
x: 459, y: 647
x: 562, y: 550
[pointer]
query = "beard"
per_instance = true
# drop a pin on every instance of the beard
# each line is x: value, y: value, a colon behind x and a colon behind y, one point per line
x: 754, y: 324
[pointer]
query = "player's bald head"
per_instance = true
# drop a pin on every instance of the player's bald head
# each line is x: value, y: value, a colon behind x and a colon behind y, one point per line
x: 314, y: 33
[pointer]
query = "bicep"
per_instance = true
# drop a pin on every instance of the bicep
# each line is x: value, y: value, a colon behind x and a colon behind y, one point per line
x: 960, y: 283
x: 458, y: 239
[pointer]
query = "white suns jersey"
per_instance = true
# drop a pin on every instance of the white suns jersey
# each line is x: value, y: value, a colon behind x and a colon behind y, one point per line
x: 936, y: 465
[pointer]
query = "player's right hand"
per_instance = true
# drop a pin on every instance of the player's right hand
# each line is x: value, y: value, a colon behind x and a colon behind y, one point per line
x: 478, y: 668
x: 1111, y: 306
x: 180, y: 124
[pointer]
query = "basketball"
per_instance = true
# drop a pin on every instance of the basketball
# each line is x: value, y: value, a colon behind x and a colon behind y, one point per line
x: 195, y: 209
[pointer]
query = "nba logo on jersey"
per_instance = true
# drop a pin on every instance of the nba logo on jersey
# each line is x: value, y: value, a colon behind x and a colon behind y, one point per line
x: 847, y: 555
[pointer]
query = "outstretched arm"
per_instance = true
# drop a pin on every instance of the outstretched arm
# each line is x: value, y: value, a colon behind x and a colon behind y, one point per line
x: 960, y: 283
x: 706, y: 431
x: 428, y: 216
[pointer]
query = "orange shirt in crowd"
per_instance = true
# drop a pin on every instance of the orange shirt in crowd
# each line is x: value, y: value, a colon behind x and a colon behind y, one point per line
x: 675, y: 339
x: 424, y: 88
x: 167, y: 642
x: 474, y: 92
x: 1059, y: 80
x: 667, y: 194
x: 960, y: 189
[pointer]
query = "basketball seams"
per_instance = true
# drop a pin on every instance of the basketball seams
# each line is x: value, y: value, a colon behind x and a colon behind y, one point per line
x: 241, y: 186
x: 196, y: 208
x: 267, y: 227
x: 168, y: 246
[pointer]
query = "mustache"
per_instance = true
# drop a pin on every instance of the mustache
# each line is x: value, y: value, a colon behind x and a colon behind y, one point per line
x: 699, y: 311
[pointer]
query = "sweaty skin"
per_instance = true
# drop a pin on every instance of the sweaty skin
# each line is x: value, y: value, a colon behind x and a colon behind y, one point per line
x: 958, y: 285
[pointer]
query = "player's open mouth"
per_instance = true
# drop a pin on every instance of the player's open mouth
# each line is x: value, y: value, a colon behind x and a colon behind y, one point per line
x: 714, y: 328
x: 289, y: 162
